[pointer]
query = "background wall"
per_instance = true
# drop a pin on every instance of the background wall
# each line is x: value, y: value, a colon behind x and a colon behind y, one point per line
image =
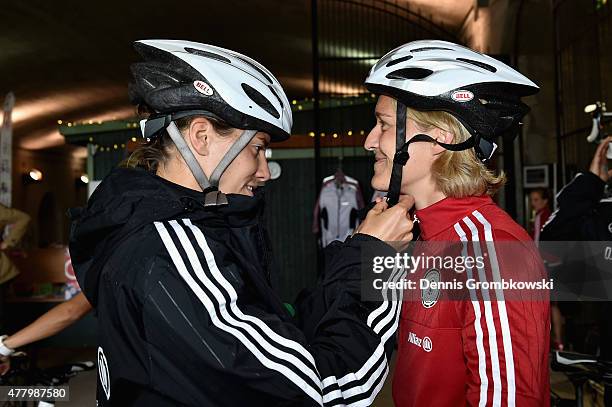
x: 47, y: 201
x: 289, y: 216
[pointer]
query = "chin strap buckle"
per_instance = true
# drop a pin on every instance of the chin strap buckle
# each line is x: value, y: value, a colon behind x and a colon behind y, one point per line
x: 214, y: 198
x: 484, y: 149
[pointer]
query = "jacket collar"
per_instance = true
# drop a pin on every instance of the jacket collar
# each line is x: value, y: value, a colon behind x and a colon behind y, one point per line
x: 240, y: 211
x: 440, y: 216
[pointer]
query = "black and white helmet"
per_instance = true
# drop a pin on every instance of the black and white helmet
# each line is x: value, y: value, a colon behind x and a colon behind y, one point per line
x: 182, y: 78
x: 484, y: 94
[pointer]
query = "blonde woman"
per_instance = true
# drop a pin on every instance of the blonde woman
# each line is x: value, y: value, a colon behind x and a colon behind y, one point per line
x: 440, y: 112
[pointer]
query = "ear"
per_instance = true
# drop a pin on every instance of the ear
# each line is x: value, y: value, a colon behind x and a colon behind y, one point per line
x: 198, y: 135
x: 441, y: 136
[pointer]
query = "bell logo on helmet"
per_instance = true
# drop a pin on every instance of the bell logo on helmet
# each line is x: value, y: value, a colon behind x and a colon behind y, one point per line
x: 462, y: 96
x: 203, y: 88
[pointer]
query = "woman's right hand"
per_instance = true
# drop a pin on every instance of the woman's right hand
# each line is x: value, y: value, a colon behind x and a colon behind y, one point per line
x: 599, y: 163
x: 389, y: 224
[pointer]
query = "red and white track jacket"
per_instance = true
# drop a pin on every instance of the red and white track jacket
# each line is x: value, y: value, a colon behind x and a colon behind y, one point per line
x: 487, y: 349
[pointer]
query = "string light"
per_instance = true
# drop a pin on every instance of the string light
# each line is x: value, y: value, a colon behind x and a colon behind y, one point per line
x: 311, y: 134
x: 362, y: 132
x: 350, y: 133
x: 59, y: 122
x: 335, y: 135
x: 322, y: 134
x: 35, y: 175
x: 134, y: 139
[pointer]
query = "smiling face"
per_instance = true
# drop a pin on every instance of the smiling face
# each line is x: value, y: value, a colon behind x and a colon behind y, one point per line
x: 381, y: 141
x: 249, y: 169
x: 211, y: 142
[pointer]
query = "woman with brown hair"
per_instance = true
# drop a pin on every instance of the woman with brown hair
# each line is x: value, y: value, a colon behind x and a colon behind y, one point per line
x: 174, y: 258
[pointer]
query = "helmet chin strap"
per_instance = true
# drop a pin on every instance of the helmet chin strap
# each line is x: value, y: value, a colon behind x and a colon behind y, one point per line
x: 239, y: 145
x: 187, y: 154
x: 395, y: 183
x: 213, y: 197
x: 484, y: 151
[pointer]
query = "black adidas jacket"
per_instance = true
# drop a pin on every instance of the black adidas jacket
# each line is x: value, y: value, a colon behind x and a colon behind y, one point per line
x: 583, y: 213
x: 187, y: 315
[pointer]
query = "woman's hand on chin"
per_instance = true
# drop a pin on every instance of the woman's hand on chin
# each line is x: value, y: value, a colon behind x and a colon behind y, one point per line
x: 389, y: 224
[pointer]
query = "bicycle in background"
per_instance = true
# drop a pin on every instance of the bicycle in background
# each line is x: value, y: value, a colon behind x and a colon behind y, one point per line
x: 22, y: 373
x: 580, y: 369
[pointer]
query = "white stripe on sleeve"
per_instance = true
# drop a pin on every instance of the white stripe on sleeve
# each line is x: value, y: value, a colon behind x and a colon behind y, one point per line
x: 210, y: 308
x: 493, y: 348
x: 503, y: 314
x: 482, y: 359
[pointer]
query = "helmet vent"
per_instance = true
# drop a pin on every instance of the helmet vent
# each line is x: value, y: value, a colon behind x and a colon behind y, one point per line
x: 410, y: 73
x: 260, y: 100
x: 430, y: 49
x: 398, y: 60
x: 255, y: 67
x: 277, y: 97
x: 207, y: 54
x: 478, y: 64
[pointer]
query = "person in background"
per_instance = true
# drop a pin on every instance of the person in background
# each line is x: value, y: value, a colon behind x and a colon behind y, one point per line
x: 584, y: 213
x: 53, y: 321
x: 14, y: 223
x: 540, y: 202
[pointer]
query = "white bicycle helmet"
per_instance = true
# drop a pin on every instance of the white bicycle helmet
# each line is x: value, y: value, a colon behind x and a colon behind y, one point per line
x: 484, y: 94
x: 181, y: 78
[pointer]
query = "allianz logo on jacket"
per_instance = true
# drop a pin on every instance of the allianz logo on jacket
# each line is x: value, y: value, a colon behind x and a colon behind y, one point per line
x: 424, y: 343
